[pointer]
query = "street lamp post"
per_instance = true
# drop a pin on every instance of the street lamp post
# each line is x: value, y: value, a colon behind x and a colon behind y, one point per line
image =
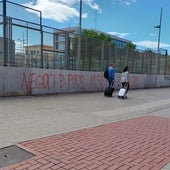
x: 80, y: 17
x: 4, y: 32
x: 158, y: 49
x: 79, y: 40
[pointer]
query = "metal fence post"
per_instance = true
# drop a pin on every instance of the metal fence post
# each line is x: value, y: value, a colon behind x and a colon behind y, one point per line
x: 143, y: 63
x: 151, y: 62
x: 67, y: 51
x: 41, y: 32
x: 165, y: 68
x: 4, y: 33
x: 102, y: 55
x: 133, y: 62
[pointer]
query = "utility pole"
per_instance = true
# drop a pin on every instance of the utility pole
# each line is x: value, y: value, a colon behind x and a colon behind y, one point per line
x: 79, y: 39
x: 4, y: 33
x: 158, y: 49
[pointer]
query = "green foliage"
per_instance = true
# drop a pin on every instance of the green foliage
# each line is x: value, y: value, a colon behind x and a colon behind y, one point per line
x: 93, y: 34
x: 90, y: 34
x: 149, y: 50
x: 131, y: 45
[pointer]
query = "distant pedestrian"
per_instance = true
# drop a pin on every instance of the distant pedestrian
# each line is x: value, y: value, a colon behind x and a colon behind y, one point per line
x: 111, y: 74
x: 125, y: 78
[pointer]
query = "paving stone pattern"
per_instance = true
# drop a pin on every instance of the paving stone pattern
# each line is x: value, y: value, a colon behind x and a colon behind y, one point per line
x: 136, y: 144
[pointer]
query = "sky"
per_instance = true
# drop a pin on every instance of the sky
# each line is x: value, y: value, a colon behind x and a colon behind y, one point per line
x: 134, y: 20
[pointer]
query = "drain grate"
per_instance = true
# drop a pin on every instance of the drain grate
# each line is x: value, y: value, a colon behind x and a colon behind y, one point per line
x: 13, y: 154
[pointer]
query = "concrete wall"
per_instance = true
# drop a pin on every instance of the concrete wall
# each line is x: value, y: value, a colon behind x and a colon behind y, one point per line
x: 25, y: 81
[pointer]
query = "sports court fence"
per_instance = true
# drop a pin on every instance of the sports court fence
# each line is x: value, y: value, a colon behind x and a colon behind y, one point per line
x: 26, y: 42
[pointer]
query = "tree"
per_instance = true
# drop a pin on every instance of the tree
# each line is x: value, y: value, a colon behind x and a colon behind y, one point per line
x: 149, y: 50
x: 90, y: 34
x: 131, y: 45
x: 93, y: 34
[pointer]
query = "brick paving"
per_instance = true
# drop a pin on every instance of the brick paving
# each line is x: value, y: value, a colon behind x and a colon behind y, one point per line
x: 136, y: 144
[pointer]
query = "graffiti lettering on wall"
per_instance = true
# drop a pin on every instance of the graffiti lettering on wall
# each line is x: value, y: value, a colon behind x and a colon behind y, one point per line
x: 34, y: 80
x: 97, y: 81
x: 73, y: 81
x: 76, y: 81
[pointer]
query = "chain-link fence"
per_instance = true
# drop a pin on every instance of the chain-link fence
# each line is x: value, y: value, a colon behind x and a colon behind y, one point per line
x: 27, y: 43
x: 97, y: 55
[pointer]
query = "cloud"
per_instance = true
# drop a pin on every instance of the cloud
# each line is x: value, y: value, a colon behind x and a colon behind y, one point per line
x: 124, y: 2
x: 93, y: 5
x: 151, y: 44
x: 121, y: 35
x: 152, y: 34
x: 61, y: 10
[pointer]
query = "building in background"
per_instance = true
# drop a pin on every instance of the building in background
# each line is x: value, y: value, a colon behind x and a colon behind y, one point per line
x: 10, y: 44
x: 60, y: 38
x: 33, y: 56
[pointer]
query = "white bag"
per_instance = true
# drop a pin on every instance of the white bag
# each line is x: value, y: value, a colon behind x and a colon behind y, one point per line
x: 122, y: 93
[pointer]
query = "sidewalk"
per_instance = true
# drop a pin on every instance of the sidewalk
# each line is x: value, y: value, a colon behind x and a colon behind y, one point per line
x: 65, y: 132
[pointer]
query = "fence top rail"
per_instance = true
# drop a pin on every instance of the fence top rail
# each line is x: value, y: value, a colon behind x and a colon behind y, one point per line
x: 21, y: 20
x: 23, y: 6
x: 33, y: 23
x: 56, y: 29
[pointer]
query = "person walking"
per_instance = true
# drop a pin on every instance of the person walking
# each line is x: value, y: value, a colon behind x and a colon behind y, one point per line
x: 125, y: 78
x: 111, y: 74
